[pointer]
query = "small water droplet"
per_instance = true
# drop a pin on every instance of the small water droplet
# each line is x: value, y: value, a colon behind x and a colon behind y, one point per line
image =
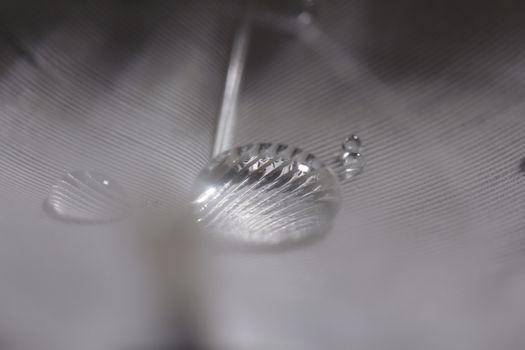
x: 353, y: 164
x: 265, y: 195
x: 352, y: 144
x: 349, y: 161
x: 86, y: 196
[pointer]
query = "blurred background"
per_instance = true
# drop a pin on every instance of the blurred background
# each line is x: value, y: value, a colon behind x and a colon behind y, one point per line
x: 428, y: 250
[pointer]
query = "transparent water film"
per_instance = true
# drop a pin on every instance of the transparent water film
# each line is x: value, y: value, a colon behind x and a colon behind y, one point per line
x: 87, y: 196
x: 266, y: 194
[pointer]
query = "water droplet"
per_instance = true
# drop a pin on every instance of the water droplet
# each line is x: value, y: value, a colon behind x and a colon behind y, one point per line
x: 353, y: 164
x: 265, y: 194
x: 87, y: 196
x: 352, y: 144
x: 349, y: 161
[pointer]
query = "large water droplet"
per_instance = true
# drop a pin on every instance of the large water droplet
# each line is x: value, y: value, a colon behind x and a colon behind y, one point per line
x: 87, y: 196
x: 266, y: 194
